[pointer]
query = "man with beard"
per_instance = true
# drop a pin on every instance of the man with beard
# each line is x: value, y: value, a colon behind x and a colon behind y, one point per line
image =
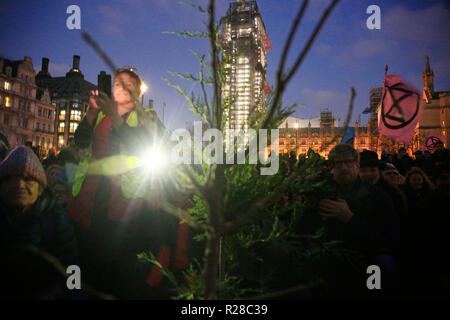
x: 362, y: 216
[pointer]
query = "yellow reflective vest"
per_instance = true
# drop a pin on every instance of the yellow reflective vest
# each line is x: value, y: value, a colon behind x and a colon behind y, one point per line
x: 132, y: 182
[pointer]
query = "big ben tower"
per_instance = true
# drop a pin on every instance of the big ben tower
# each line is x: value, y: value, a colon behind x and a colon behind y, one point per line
x: 245, y: 44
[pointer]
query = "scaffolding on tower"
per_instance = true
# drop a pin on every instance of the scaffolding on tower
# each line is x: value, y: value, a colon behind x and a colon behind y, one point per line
x: 267, y: 89
x: 266, y: 41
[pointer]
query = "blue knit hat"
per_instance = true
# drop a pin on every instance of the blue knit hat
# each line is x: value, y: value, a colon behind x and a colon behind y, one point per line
x: 22, y: 161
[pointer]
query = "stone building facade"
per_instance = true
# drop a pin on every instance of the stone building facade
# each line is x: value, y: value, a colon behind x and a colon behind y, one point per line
x: 436, y: 114
x: 40, y: 109
x: 20, y: 107
x: 70, y: 95
x: 319, y: 133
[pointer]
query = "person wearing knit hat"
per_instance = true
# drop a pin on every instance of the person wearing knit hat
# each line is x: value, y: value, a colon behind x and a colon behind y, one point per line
x: 29, y: 214
x: 391, y: 174
x: 22, y: 179
x: 369, y: 166
x: 371, y: 171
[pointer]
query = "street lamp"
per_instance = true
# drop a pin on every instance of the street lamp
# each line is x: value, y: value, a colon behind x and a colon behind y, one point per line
x: 143, y: 90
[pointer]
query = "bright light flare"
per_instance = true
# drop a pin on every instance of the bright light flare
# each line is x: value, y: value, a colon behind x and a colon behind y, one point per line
x: 144, y: 87
x: 152, y: 161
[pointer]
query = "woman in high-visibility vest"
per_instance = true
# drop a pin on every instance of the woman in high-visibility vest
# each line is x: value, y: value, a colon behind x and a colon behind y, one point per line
x: 110, y: 198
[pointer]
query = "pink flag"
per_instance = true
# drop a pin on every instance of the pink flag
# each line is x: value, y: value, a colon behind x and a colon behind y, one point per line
x: 431, y: 141
x: 400, y: 110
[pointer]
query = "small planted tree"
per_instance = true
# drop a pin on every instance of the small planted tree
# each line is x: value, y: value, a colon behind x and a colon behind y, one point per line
x: 249, y: 222
x: 242, y: 211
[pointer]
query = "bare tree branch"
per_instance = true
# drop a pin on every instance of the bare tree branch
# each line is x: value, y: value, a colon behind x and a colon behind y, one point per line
x: 205, y: 96
x: 139, y: 108
x: 346, y: 122
x: 290, y: 38
x: 282, y: 82
x: 310, y: 41
x: 213, y: 43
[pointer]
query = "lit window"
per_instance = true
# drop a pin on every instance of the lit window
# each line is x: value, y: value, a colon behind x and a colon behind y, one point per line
x: 73, y: 127
x: 76, y: 104
x: 75, y: 115
x: 8, y: 101
x: 61, y: 127
x: 62, y: 115
x: 61, y: 140
x: 7, y: 85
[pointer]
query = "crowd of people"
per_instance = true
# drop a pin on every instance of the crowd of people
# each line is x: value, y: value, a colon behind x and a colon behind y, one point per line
x: 392, y: 212
x: 85, y: 207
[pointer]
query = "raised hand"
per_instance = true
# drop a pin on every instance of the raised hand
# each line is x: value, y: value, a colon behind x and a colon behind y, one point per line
x: 109, y: 108
x: 92, y: 101
x: 335, y: 209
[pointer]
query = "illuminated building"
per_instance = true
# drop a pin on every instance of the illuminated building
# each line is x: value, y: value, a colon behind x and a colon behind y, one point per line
x: 435, y: 118
x: 319, y: 134
x: 70, y: 95
x: 436, y: 114
x: 26, y: 114
x: 301, y: 134
x: 245, y: 45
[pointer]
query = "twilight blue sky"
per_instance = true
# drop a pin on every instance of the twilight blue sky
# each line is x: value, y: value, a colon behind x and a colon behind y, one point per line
x: 345, y: 53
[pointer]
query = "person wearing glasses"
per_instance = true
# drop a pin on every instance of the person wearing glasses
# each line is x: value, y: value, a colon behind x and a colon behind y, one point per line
x: 110, y: 196
x: 362, y: 216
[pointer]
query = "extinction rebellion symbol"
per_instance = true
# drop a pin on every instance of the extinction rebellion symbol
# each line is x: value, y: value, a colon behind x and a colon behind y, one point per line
x: 431, y: 142
x: 398, y: 120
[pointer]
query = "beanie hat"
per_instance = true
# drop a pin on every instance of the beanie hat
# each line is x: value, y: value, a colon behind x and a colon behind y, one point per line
x: 22, y: 161
x: 368, y: 158
x: 388, y: 168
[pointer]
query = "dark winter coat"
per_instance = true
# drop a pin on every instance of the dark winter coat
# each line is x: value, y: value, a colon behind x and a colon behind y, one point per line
x: 47, y: 227
x: 374, y: 228
x: 372, y: 231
